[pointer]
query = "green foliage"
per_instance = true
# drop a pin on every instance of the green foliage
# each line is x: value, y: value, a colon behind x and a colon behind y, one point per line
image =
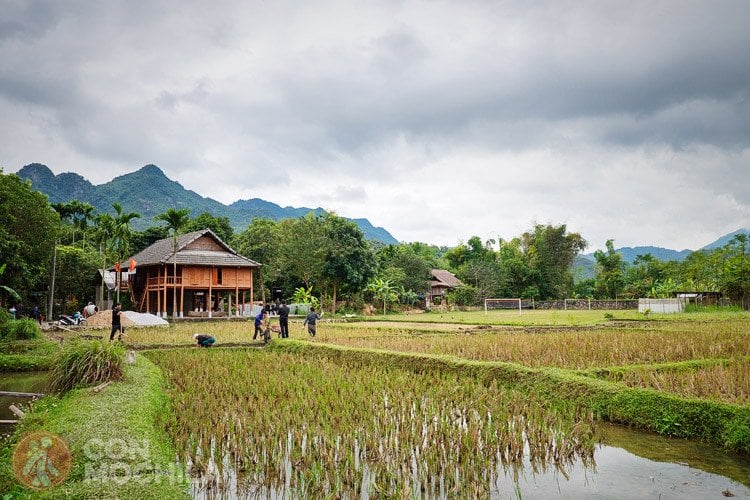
x: 465, y: 295
x: 610, y: 273
x: 27, y: 234
x: 82, y: 363
x: 407, y: 265
x: 348, y: 263
x: 383, y: 290
x: 76, y: 270
x: 304, y: 295
x: 20, y: 329
x: 219, y: 225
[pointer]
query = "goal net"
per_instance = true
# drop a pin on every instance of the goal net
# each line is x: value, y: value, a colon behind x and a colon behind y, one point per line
x: 507, y: 304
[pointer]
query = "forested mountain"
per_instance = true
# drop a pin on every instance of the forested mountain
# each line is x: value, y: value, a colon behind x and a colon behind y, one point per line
x: 149, y: 192
x: 629, y: 254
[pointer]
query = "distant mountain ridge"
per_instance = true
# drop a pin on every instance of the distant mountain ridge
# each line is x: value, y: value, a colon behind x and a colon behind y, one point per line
x: 149, y: 192
x: 629, y: 254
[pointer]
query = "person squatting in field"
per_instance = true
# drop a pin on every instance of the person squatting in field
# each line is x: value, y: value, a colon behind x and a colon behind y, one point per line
x: 204, y: 340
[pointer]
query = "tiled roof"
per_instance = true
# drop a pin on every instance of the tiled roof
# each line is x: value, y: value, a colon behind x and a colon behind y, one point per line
x: 445, y: 278
x: 162, y: 251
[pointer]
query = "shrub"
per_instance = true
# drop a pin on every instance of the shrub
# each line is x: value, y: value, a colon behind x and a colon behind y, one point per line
x: 464, y: 295
x: 23, y: 329
x: 83, y: 363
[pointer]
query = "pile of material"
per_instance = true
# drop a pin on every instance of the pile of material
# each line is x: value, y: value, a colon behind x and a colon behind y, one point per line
x: 103, y: 319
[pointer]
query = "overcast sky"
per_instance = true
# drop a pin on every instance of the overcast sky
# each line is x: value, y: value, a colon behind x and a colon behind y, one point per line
x: 435, y: 120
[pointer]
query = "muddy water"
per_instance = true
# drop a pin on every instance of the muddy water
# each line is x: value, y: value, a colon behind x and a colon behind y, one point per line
x: 18, y: 382
x: 629, y: 464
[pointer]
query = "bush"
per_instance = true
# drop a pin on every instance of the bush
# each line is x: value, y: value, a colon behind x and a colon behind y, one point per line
x: 23, y: 329
x: 19, y: 329
x: 83, y: 363
x: 464, y: 295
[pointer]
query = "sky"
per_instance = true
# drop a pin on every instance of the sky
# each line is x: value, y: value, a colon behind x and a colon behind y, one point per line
x: 437, y: 120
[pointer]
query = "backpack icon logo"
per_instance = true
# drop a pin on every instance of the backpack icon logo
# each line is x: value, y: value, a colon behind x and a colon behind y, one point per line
x: 41, y: 460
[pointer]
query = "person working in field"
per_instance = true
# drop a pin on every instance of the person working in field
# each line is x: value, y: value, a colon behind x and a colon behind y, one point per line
x: 311, y: 321
x: 204, y: 340
x: 259, y: 323
x: 284, y: 320
x: 262, y: 326
x: 117, y: 323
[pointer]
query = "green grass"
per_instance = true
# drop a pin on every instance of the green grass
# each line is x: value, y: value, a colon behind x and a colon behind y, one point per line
x: 83, y: 363
x: 129, y: 411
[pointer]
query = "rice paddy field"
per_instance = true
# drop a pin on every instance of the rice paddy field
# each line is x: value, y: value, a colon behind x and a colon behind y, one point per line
x: 299, y: 422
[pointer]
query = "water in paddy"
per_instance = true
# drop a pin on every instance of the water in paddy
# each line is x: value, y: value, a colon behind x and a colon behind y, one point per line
x: 18, y: 382
x: 629, y: 464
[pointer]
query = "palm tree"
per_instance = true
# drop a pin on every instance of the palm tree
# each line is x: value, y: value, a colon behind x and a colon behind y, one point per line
x: 102, y: 231
x: 176, y: 221
x: 82, y: 213
x: 120, y: 237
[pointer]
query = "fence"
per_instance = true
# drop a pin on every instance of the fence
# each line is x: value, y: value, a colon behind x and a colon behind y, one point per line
x: 587, y: 304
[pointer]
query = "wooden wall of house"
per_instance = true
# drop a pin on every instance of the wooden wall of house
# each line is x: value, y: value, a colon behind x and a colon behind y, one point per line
x: 205, y: 243
x: 225, y: 276
x: 196, y: 276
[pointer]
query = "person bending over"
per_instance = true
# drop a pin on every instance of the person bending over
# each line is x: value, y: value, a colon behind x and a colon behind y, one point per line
x: 204, y: 340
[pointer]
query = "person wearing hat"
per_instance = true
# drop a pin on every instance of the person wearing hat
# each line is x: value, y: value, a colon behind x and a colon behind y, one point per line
x: 204, y: 340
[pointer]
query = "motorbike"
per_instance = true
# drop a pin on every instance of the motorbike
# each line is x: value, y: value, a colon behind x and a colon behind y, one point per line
x: 73, y: 320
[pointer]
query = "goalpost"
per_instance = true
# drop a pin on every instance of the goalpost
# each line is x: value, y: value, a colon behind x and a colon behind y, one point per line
x: 503, y: 304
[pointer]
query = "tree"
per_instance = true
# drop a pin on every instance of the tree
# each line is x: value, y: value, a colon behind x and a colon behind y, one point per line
x: 382, y: 289
x: 303, y: 248
x: 82, y: 214
x: 476, y: 263
x: 348, y: 261
x: 610, y: 276
x: 74, y: 284
x: 219, y: 225
x: 28, y: 230
x: 176, y: 220
x: 261, y: 242
x: 550, y: 251
x: 119, y: 239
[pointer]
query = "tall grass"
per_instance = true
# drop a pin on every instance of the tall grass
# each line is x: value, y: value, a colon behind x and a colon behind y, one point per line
x: 304, y: 425
x: 729, y: 383
x: 83, y: 363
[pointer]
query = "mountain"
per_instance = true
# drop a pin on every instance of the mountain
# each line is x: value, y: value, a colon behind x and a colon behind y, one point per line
x: 725, y: 239
x: 629, y: 254
x: 149, y: 192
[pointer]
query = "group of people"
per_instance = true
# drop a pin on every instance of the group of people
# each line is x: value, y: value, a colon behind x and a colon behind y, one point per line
x: 263, y: 328
x: 18, y: 312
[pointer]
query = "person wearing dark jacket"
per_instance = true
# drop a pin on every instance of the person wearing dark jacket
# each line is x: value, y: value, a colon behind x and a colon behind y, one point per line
x: 311, y: 320
x: 204, y: 340
x: 116, y: 323
x: 284, y: 320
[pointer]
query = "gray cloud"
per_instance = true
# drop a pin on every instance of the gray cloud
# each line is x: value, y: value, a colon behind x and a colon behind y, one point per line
x: 436, y: 120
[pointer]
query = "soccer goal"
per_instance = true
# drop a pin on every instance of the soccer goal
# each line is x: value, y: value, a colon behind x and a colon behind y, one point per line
x: 507, y: 304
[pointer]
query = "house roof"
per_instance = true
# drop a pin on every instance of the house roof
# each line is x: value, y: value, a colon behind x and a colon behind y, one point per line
x: 162, y: 252
x: 444, y: 278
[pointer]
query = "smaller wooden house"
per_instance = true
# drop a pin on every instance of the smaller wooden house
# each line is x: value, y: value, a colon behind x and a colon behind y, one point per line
x: 203, y: 276
x: 441, y: 281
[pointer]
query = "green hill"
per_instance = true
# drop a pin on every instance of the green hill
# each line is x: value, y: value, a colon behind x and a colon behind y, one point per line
x: 149, y: 192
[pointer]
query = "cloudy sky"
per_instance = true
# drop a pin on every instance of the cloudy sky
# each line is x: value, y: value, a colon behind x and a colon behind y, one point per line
x: 436, y: 120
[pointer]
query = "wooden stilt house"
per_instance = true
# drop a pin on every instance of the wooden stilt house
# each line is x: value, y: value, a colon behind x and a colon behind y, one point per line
x: 209, y: 278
